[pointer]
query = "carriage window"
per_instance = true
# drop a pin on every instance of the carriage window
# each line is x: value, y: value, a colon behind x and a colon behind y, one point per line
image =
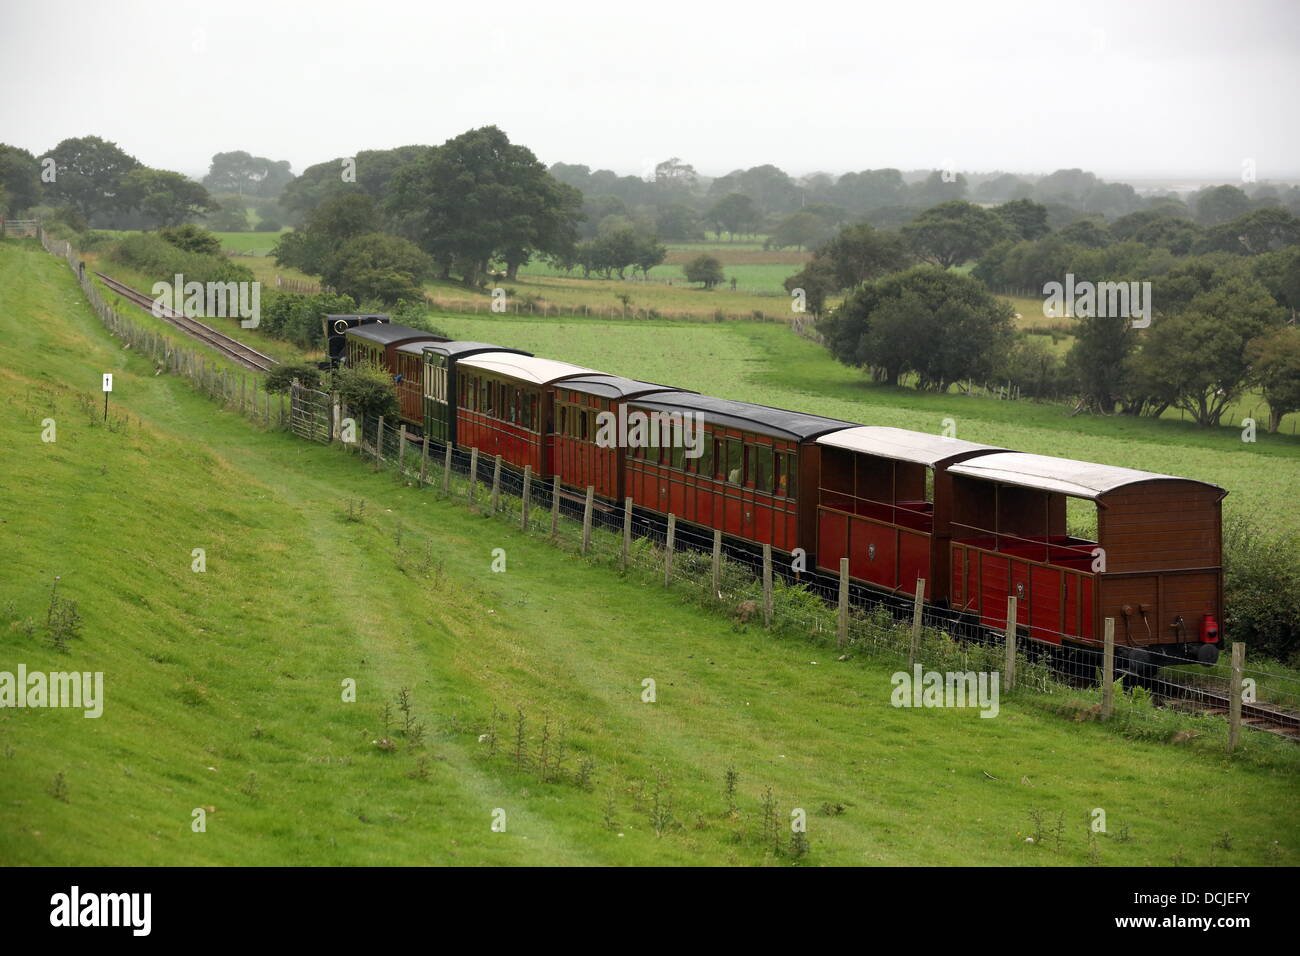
x: 734, y: 464
x: 678, y: 453
x: 790, y: 474
x: 762, y: 458
x: 704, y: 464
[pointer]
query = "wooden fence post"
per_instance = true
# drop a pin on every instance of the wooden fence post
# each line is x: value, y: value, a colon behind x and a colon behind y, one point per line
x: 446, y: 470
x: 918, y: 607
x: 843, y: 637
x: 496, y: 484
x: 528, y: 496
x: 1009, y: 668
x: 767, y: 585
x: 1234, y: 705
x: 379, y: 442
x: 717, y: 563
x: 627, y: 532
x: 586, y: 518
x: 424, y: 462
x: 401, y: 450
x: 670, y: 546
x: 555, y: 506
x: 473, y: 473
x: 337, y: 431
x: 1108, y: 671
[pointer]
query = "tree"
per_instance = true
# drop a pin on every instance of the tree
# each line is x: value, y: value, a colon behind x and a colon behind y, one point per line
x: 799, y: 229
x: 1090, y: 232
x: 938, y: 187
x: 19, y: 178
x: 376, y: 266
x: 859, y: 253
x: 1262, y: 230
x: 163, y: 197
x: 88, y: 175
x: 818, y: 281
x: 943, y: 325
x: 952, y: 232
x: 1024, y: 218
x: 1219, y: 204
x: 1196, y: 352
x: 704, y: 269
x: 771, y: 190
x: 331, y: 224
x: 1275, y: 368
x: 478, y: 197
x: 1099, y: 361
x: 1157, y: 227
x: 678, y: 221
x: 735, y: 213
x: 870, y: 189
x: 247, y: 175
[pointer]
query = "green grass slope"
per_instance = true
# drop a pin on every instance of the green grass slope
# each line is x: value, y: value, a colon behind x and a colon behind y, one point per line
x: 224, y: 689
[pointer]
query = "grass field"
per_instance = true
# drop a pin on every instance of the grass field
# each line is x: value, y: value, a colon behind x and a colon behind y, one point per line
x: 223, y: 688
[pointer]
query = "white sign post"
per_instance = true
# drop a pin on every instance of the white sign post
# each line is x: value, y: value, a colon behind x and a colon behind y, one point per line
x: 108, y: 387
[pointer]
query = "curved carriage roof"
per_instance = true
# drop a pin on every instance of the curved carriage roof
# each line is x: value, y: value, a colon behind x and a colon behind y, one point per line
x: 390, y: 333
x: 904, y: 445
x: 457, y: 349
x: 616, y: 386
x: 525, y: 368
x: 746, y: 416
x: 1079, y: 479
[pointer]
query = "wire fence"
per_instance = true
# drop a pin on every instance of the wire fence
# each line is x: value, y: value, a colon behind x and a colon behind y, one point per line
x: 844, y: 617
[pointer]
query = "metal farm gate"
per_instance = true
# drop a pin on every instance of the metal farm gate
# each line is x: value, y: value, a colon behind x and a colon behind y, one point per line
x: 309, y: 413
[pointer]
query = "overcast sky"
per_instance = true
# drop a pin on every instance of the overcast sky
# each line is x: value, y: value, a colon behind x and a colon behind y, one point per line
x: 1132, y: 88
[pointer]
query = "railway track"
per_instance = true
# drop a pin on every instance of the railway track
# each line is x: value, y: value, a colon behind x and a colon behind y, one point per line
x: 229, y: 347
x: 1258, y: 716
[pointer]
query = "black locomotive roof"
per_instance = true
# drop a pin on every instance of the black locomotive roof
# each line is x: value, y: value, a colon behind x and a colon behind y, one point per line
x: 454, y: 349
x: 377, y: 316
x: 746, y: 416
x: 616, y: 386
x: 386, y: 333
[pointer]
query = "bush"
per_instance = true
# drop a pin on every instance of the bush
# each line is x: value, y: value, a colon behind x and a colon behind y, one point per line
x: 367, y: 390
x: 269, y: 225
x: 280, y: 378
x: 1261, y: 589
x: 192, y: 238
x: 297, y: 318
x: 156, y: 257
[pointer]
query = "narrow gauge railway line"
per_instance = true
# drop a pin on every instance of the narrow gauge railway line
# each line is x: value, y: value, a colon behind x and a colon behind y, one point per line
x: 231, y: 348
x: 1258, y: 716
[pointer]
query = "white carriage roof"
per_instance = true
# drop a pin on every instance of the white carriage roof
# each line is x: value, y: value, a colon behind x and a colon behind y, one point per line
x: 526, y: 368
x: 903, y: 445
x: 1079, y: 479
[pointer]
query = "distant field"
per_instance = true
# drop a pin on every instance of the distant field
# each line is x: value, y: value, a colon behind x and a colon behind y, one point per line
x: 250, y: 243
x: 754, y: 268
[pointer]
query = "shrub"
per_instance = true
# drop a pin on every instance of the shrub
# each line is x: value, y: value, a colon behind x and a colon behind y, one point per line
x: 297, y: 318
x: 1261, y: 589
x: 281, y: 377
x: 156, y: 257
x: 269, y: 225
x: 366, y: 389
x: 192, y: 238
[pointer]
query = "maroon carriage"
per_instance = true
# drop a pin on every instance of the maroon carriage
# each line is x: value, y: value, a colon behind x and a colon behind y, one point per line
x: 742, y: 477
x: 884, y: 502
x: 590, y: 430
x: 1155, y: 566
x: 505, y: 403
